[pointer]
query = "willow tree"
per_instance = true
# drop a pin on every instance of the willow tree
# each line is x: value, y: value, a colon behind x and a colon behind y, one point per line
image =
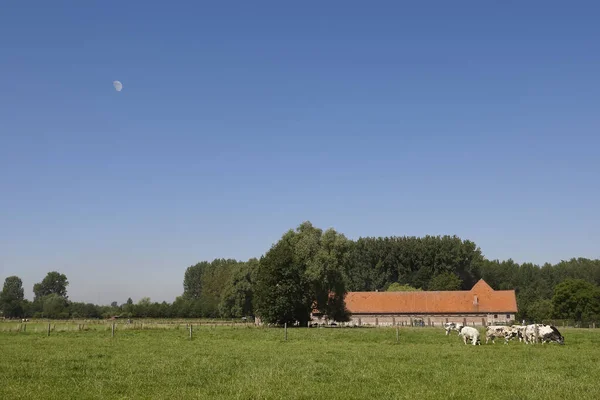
x: 301, y: 273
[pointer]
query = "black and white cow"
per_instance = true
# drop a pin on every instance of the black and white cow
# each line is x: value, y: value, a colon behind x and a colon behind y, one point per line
x: 529, y: 335
x: 452, y: 326
x: 492, y: 332
x: 518, y: 331
x: 545, y: 334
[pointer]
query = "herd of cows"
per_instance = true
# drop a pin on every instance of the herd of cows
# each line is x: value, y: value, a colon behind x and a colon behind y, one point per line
x: 535, y: 333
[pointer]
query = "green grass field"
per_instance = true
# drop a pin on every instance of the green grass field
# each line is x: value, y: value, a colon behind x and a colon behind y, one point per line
x: 256, y: 363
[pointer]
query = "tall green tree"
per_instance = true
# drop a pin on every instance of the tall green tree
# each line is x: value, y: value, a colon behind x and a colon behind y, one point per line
x: 326, y: 272
x: 53, y: 283
x: 445, y: 281
x: 397, y: 287
x: 181, y: 307
x: 192, y: 280
x: 143, y: 307
x: 302, y: 272
x: 282, y: 292
x: 375, y: 263
x: 214, y: 281
x: 540, y: 310
x: 205, y: 284
x: 12, y: 297
x: 236, y: 300
x: 55, y: 306
x: 576, y: 299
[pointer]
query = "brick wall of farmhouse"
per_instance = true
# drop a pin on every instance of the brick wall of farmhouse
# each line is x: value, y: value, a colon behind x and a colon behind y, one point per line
x: 428, y: 320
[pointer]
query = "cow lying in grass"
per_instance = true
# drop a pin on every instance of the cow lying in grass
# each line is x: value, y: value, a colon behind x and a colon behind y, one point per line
x: 452, y: 326
x: 469, y: 333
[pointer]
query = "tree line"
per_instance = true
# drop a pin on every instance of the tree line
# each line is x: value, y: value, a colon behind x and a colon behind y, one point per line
x: 51, y: 301
x: 309, y: 269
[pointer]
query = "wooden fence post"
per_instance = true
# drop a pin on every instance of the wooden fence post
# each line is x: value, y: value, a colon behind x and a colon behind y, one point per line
x: 48, y: 329
x: 113, y: 329
x: 397, y: 334
x: 285, y: 329
x: 190, y: 331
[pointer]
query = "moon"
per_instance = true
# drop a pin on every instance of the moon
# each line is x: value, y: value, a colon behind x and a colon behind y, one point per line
x: 118, y: 86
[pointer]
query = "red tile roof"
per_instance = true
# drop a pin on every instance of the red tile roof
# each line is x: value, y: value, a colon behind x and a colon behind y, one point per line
x: 480, y: 299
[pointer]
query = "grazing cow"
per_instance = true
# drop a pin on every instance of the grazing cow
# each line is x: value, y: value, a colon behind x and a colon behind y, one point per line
x: 518, y: 331
x: 545, y: 334
x: 452, y: 326
x: 549, y: 333
x: 471, y: 333
x: 529, y: 334
x: 492, y: 332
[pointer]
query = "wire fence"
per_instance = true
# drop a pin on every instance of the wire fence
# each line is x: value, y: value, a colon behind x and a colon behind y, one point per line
x: 570, y: 323
x: 48, y: 326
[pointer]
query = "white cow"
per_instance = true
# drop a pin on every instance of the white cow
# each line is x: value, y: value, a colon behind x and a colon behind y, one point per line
x: 452, y: 326
x: 469, y: 333
x: 498, y: 331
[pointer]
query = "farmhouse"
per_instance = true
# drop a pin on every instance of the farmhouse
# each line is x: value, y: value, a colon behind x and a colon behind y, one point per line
x: 481, y: 305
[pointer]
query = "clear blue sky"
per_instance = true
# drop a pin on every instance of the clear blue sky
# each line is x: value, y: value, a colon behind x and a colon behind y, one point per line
x: 240, y: 120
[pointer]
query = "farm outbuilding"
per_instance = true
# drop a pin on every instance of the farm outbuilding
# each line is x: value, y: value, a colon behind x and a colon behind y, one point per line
x: 481, y: 305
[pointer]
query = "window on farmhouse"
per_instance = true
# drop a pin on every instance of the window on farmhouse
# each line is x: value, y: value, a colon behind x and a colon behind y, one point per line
x: 495, y: 315
x: 507, y: 316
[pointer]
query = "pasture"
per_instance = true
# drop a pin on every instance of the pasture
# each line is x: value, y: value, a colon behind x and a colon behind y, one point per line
x: 245, y: 362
